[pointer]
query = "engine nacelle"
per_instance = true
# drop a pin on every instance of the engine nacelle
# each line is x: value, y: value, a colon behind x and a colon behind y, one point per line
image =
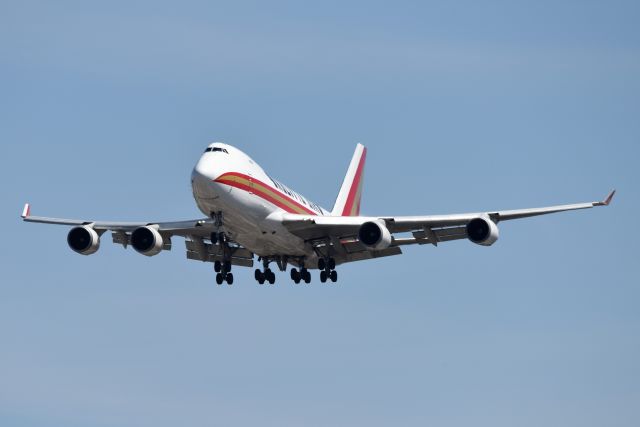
x: 83, y: 240
x: 375, y: 235
x: 482, y: 231
x: 147, y: 241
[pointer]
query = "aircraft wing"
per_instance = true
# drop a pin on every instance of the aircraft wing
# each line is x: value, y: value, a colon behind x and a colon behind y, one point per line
x: 197, y: 233
x: 408, y: 223
x: 342, y: 232
x: 201, y: 227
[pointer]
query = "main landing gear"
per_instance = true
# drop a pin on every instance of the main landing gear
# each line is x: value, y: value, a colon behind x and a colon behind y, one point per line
x: 222, y: 268
x: 327, y: 267
x: 299, y: 274
x: 224, y: 272
x: 303, y: 274
x: 265, y: 275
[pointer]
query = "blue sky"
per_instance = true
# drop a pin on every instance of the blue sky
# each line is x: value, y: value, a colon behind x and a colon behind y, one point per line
x: 470, y: 106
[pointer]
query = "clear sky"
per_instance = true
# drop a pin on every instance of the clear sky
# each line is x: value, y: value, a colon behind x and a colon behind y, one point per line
x: 464, y: 106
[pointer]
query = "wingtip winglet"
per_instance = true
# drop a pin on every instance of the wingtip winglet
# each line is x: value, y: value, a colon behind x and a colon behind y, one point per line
x: 607, y: 200
x: 26, y: 211
x: 609, y: 197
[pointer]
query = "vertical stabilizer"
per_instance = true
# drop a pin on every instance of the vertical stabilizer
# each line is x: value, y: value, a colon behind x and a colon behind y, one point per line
x: 348, y: 201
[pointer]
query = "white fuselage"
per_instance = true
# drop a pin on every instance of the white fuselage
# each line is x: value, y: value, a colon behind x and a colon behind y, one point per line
x: 225, y: 180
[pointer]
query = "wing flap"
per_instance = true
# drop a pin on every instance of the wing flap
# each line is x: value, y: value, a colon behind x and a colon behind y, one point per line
x: 363, y: 255
x: 198, y: 250
x: 240, y: 262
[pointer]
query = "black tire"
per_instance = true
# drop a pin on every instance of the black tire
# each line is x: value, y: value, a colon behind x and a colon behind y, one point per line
x: 332, y: 264
x: 334, y: 276
x: 229, y: 279
x: 307, y: 276
x: 257, y: 274
x: 214, y: 238
x: 321, y: 264
x: 261, y: 279
x: 227, y: 266
x: 219, y: 278
x: 323, y: 276
x: 271, y: 277
x: 217, y: 266
x: 294, y: 274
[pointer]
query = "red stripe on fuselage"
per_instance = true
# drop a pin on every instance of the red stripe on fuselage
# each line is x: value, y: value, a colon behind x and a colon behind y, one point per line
x: 262, y: 194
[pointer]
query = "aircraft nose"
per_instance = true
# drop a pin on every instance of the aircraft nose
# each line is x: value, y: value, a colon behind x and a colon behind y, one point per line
x: 201, y: 179
x: 204, y: 170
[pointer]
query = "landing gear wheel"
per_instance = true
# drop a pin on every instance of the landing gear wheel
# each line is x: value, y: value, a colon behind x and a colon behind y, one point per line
x: 230, y: 279
x: 306, y: 276
x: 321, y: 264
x: 332, y: 264
x: 259, y: 275
x: 227, y: 266
x: 270, y: 276
x: 217, y: 266
x: 333, y: 276
x: 323, y: 276
x: 214, y: 238
x: 219, y: 278
x: 295, y: 275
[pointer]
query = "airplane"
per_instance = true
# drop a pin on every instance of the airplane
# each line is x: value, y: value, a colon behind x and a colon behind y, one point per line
x: 250, y: 214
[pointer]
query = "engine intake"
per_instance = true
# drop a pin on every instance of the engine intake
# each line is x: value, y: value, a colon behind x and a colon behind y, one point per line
x: 375, y: 235
x: 482, y: 231
x: 83, y: 240
x: 147, y: 241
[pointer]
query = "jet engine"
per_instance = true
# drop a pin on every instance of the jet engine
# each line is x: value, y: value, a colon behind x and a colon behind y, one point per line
x: 482, y: 231
x: 83, y: 240
x: 375, y: 235
x: 147, y: 241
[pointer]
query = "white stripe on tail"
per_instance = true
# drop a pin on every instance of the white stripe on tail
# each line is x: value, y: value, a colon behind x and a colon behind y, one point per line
x: 348, y: 201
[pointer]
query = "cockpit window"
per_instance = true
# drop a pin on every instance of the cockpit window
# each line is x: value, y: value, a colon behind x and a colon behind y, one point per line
x: 222, y: 150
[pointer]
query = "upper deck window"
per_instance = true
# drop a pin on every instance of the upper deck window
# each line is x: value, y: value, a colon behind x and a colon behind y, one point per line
x: 222, y: 150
